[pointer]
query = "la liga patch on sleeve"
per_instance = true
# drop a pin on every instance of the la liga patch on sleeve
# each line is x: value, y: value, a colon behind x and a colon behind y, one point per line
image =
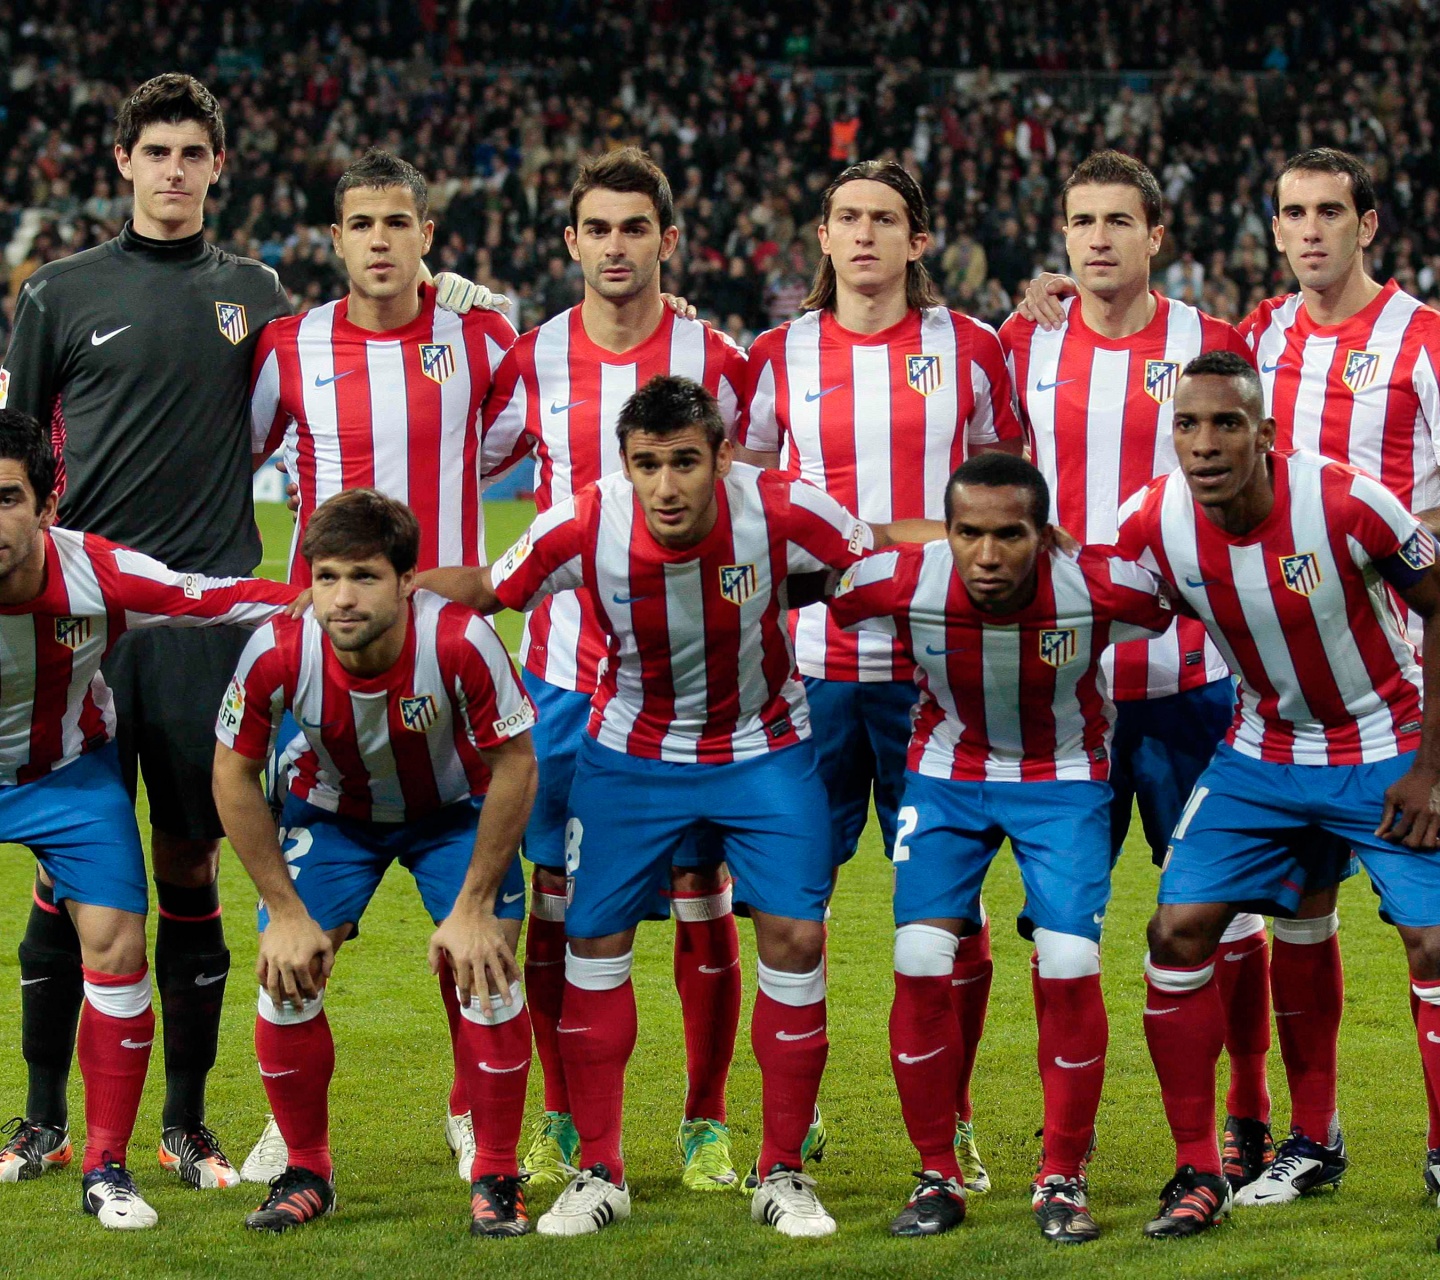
x: 232, y: 710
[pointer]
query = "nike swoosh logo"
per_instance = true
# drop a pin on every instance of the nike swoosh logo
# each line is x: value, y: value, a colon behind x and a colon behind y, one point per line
x: 1050, y: 386
x: 275, y: 1075
x: 1232, y: 956
x: 1261, y: 1197
x: 30, y: 982
x: 570, y: 1031
x: 542, y: 964
x: 911, y: 1061
x: 1075, y: 1066
x: 1432, y: 1037
x: 965, y: 982
x: 619, y: 599
x: 334, y: 377
x: 512, y: 897
x: 1195, y: 584
x: 98, y: 339
x: 710, y: 968
x: 1288, y: 1013
x: 803, y: 1035
x: 501, y: 1071
x: 136, y: 1044
x: 560, y: 408
x: 1269, y: 368
x: 1155, y: 1013
x: 937, y: 653
x: 812, y: 396
x: 205, y: 979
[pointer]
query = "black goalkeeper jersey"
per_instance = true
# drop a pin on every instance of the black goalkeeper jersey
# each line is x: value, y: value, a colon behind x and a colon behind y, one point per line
x: 137, y: 354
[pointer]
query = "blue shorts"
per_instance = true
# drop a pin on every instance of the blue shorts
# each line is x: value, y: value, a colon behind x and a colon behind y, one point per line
x: 1257, y: 835
x: 861, y: 735
x: 338, y: 863
x: 80, y: 823
x: 631, y: 817
x: 950, y: 832
x: 1160, y: 747
x: 557, y: 735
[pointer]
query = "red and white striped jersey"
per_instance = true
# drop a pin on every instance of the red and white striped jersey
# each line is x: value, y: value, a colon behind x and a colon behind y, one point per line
x: 397, y: 410
x: 879, y: 421
x: 699, y: 665
x: 1099, y: 412
x: 1327, y: 674
x: 1364, y: 391
x: 1012, y: 698
x: 558, y: 395
x: 387, y: 748
x: 54, y: 704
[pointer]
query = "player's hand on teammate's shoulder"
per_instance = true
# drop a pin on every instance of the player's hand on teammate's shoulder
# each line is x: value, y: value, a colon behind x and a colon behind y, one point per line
x: 295, y: 957
x: 1041, y: 302
x: 471, y: 940
x: 1412, y: 810
x: 680, y: 306
x: 453, y: 292
x: 296, y: 608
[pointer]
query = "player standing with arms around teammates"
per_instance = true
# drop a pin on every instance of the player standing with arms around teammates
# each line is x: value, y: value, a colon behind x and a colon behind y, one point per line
x: 137, y: 354
x: 698, y: 723
x: 1291, y: 561
x: 876, y: 394
x: 1096, y: 391
x: 382, y: 388
x: 65, y: 598
x: 557, y: 396
x: 1007, y: 634
x: 416, y: 748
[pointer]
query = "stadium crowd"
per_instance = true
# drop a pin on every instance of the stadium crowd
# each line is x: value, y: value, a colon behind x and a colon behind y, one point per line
x: 742, y: 104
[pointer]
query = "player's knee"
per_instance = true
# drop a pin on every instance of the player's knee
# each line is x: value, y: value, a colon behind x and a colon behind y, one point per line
x: 699, y: 880
x: 1422, y: 950
x: 1180, y: 936
x: 1066, y: 955
x: 111, y: 942
x: 548, y: 881
x: 924, y: 951
x: 791, y: 946
x: 179, y: 860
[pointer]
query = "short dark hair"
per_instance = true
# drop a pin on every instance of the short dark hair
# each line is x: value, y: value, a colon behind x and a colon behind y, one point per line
x: 359, y: 523
x: 169, y: 99
x: 376, y: 170
x: 920, y: 289
x: 626, y: 169
x: 1226, y: 364
x: 1332, y: 160
x: 668, y: 404
x: 996, y: 470
x: 22, y: 439
x: 1116, y: 169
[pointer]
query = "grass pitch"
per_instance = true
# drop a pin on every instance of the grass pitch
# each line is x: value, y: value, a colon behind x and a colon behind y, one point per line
x: 402, y: 1210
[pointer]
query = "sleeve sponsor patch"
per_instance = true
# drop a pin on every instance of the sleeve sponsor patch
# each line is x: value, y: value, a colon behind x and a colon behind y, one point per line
x: 1418, y: 550
x: 512, y: 559
x: 516, y: 722
x: 232, y: 710
x: 859, y: 537
x: 191, y: 584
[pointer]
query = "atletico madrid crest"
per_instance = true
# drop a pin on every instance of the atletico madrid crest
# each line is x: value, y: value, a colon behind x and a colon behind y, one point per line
x: 72, y: 632
x: 1418, y: 550
x: 1058, y: 646
x: 230, y: 316
x: 437, y: 360
x: 419, y: 713
x: 1160, y: 379
x: 738, y: 582
x: 925, y: 374
x: 1301, y: 572
x: 1360, y: 369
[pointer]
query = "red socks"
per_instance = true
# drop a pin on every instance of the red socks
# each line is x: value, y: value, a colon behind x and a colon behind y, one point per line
x: 545, y: 987
x: 1074, y: 1035
x: 970, y: 981
x: 458, y: 1103
x: 495, y: 1040
x: 1308, y: 989
x: 117, y: 1028
x: 787, y: 1033
x: 1242, y: 976
x: 707, y: 980
x: 597, y: 1037
x: 1425, y: 1009
x: 297, y: 1059
x: 925, y: 1052
x: 1185, y: 1029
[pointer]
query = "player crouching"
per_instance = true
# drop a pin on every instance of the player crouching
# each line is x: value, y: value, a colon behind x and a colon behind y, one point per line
x: 417, y: 748
x: 1011, y: 738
